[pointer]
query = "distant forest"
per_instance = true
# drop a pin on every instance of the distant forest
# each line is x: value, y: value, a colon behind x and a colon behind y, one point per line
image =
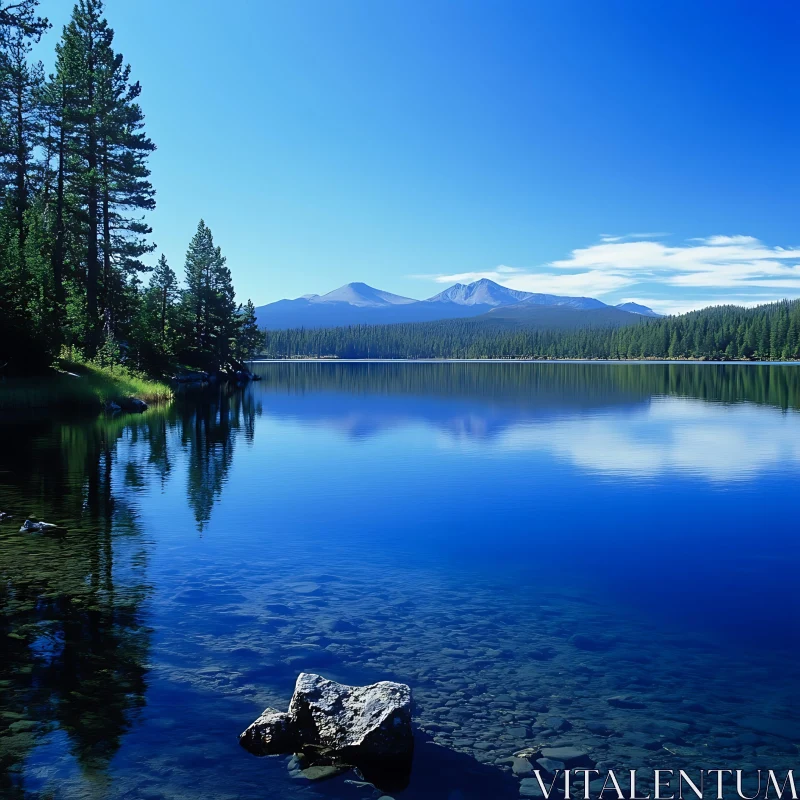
x: 74, y: 193
x: 765, y: 333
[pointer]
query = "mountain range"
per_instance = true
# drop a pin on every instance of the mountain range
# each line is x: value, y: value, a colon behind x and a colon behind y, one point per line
x: 360, y: 304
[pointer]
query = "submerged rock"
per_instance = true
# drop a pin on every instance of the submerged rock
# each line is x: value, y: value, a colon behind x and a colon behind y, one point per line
x: 32, y: 526
x: 133, y: 404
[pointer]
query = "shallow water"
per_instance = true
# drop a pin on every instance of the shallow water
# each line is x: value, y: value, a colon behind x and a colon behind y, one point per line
x: 521, y: 543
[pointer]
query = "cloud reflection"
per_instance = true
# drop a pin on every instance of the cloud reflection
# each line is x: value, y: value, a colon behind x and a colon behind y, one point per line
x: 671, y: 435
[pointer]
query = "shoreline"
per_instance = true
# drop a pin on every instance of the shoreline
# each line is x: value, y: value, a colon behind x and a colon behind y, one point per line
x: 695, y: 361
x: 77, y: 386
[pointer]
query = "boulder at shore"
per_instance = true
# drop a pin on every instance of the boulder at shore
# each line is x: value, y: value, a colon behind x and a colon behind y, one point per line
x: 363, y: 726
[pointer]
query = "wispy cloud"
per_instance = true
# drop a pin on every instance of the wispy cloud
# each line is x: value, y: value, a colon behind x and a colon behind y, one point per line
x: 700, y: 271
x: 593, y: 282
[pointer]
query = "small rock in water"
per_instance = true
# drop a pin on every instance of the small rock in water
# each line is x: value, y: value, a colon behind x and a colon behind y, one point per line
x: 571, y: 756
x: 623, y: 701
x: 133, y: 404
x: 324, y: 772
x: 592, y: 643
x: 35, y: 526
x: 306, y: 587
x: 550, y: 765
x: 521, y: 767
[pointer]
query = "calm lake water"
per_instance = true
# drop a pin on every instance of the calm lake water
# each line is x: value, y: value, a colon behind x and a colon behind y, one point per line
x: 603, y: 556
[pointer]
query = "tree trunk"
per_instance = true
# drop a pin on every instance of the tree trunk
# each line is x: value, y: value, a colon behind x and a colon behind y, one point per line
x: 58, y: 249
x: 163, y: 317
x: 21, y: 166
x: 92, y: 261
x: 108, y: 288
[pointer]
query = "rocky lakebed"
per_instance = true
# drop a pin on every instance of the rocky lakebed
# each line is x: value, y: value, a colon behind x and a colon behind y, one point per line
x: 504, y: 680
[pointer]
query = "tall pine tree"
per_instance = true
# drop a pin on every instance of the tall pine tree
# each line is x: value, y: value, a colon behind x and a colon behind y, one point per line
x: 209, y: 301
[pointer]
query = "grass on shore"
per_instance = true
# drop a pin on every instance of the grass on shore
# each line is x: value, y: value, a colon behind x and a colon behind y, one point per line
x: 79, y: 385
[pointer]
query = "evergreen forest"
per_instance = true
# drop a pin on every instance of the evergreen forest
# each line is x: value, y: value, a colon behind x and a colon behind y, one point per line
x: 75, y: 282
x: 726, y: 333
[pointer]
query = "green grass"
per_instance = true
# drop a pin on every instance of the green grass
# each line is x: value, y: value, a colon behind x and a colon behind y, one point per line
x: 80, y: 386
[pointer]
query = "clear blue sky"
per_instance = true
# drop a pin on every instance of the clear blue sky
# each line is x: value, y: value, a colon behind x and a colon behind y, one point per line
x: 407, y: 142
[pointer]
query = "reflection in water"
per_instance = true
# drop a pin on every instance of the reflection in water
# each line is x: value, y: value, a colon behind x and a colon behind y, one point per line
x: 74, y: 640
x: 209, y: 432
x: 73, y: 605
x: 134, y: 650
x: 640, y: 420
x: 675, y: 435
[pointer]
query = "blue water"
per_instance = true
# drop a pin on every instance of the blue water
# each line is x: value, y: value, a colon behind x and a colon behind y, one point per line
x: 528, y: 540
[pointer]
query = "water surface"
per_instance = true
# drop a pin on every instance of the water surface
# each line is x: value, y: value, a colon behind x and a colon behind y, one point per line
x: 521, y: 543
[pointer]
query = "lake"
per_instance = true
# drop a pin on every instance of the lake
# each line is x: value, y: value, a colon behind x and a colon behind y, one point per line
x: 602, y: 556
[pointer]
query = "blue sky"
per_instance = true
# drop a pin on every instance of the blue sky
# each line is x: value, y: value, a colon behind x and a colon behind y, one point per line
x: 622, y: 150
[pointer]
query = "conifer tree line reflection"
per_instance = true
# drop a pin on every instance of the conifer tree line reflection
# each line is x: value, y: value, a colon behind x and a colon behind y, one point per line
x: 74, y: 606
x: 560, y: 384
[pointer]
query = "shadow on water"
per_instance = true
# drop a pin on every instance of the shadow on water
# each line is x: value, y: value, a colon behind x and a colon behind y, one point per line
x: 437, y: 773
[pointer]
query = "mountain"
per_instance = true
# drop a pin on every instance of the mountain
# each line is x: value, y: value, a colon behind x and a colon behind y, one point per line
x: 480, y: 293
x: 361, y: 296
x: 579, y: 303
x: 360, y: 304
x: 636, y: 308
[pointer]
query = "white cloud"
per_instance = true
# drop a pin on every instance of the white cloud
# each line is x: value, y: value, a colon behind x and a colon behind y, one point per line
x: 593, y: 282
x: 715, y: 264
x: 711, y: 254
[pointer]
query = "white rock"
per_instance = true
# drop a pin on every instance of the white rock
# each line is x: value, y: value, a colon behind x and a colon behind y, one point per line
x: 358, y: 723
x: 374, y: 720
x: 270, y: 734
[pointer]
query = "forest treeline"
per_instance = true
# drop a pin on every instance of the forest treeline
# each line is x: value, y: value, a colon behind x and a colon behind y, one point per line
x: 75, y: 190
x: 765, y: 333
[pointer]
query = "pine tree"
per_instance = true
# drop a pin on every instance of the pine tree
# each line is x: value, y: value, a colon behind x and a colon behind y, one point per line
x: 19, y: 16
x: 209, y: 301
x: 250, y: 339
x: 100, y: 178
x: 125, y: 187
x: 164, y: 291
x: 82, y: 53
x: 21, y: 123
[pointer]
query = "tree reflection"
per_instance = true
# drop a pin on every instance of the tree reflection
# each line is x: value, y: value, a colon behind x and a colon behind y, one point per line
x: 73, y: 627
x: 72, y: 618
x: 209, y: 428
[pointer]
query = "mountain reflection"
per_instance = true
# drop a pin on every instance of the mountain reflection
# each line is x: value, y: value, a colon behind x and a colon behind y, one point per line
x: 714, y: 421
